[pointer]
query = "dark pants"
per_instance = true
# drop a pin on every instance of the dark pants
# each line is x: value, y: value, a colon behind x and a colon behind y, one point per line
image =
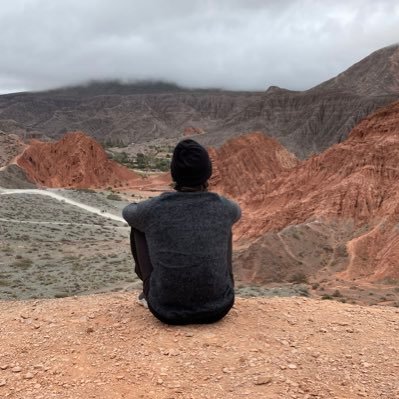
x: 141, y: 256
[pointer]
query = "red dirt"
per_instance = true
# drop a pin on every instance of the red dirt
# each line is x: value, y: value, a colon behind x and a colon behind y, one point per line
x: 108, y: 347
x: 76, y: 161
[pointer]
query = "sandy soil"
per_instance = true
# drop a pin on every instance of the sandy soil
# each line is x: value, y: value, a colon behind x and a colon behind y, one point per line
x: 107, y: 346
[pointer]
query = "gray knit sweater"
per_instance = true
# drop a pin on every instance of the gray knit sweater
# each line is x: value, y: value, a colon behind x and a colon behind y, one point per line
x: 188, y: 236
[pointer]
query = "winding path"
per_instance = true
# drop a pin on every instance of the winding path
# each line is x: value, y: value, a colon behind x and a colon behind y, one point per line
x: 59, y: 197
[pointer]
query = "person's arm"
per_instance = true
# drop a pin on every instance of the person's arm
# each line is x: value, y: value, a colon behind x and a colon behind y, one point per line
x: 137, y: 214
x: 234, y: 210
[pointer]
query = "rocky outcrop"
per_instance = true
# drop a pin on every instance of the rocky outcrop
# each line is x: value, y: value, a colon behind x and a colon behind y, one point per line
x: 246, y: 163
x: 74, y: 161
x: 305, y: 122
x: 350, y: 190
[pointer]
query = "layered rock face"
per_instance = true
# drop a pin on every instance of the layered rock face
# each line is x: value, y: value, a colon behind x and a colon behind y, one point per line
x: 302, y: 219
x: 305, y: 122
x: 246, y: 163
x: 74, y: 161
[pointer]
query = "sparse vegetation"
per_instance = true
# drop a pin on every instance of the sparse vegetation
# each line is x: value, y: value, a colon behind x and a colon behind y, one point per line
x: 22, y: 263
x: 114, y: 197
x: 299, y: 278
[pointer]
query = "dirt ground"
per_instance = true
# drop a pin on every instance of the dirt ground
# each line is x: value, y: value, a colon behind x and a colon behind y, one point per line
x: 107, y: 346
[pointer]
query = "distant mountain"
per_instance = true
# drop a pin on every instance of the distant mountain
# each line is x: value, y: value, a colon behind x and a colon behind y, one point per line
x: 305, y: 122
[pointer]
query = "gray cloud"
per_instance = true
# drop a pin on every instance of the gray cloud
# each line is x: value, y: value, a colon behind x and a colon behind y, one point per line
x: 235, y: 44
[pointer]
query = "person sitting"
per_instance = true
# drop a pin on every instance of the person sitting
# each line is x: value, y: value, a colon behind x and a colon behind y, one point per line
x: 181, y: 242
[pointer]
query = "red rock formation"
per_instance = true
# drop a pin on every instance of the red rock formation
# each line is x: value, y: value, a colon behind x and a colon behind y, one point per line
x: 354, y: 181
x: 76, y: 160
x: 246, y: 163
x: 192, y: 131
x: 239, y: 165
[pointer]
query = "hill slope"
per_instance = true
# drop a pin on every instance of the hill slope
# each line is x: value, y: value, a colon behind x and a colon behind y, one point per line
x: 74, y: 161
x: 334, y: 213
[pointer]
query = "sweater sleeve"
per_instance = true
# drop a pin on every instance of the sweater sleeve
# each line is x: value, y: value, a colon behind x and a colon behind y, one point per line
x: 234, y: 210
x: 137, y: 215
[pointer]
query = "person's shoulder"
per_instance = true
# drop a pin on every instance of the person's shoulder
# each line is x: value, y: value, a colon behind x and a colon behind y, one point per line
x: 232, y: 207
x: 225, y: 200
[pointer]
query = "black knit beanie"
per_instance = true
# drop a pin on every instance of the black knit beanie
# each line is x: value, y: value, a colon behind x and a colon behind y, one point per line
x: 191, y: 165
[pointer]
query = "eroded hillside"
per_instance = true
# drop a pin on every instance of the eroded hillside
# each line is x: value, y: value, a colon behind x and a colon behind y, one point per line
x: 74, y: 161
x: 305, y: 219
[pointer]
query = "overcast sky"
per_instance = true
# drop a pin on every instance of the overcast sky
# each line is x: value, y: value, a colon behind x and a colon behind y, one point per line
x: 235, y: 44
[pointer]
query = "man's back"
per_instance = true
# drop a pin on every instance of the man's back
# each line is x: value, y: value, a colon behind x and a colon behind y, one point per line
x: 189, y: 241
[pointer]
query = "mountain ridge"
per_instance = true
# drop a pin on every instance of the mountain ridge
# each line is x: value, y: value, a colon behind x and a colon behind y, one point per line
x: 305, y: 122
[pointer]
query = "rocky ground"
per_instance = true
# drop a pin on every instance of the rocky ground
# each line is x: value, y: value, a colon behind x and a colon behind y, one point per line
x: 107, y: 346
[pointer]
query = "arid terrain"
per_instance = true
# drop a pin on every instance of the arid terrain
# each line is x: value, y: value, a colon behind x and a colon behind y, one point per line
x: 50, y: 248
x: 305, y: 228
x: 109, y: 347
x: 315, y: 252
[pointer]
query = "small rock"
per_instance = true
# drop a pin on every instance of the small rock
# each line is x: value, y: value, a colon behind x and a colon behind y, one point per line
x: 28, y: 376
x: 2, y: 383
x: 4, y: 367
x: 89, y: 330
x: 16, y: 369
x: 292, y: 366
x: 263, y: 380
